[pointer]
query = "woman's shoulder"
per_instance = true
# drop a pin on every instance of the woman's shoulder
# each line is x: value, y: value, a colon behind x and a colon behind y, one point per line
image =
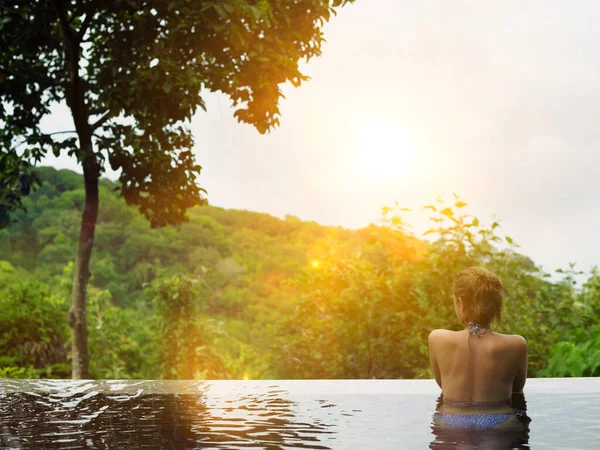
x: 441, y: 332
x: 516, y: 343
x: 442, y: 335
x: 514, y: 339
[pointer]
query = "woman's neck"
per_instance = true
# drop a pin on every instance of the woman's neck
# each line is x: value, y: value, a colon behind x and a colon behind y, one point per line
x: 477, y: 329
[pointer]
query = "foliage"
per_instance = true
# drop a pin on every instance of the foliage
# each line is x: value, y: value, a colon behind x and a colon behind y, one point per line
x: 237, y: 294
x: 10, y: 275
x: 18, y: 372
x: 121, y: 340
x: 131, y: 74
x: 33, y: 340
x: 16, y: 181
x: 352, y: 319
x: 578, y: 351
x: 184, y: 334
x: 368, y: 306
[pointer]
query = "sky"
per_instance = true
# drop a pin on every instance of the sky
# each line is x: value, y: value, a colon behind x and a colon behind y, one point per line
x: 496, y: 101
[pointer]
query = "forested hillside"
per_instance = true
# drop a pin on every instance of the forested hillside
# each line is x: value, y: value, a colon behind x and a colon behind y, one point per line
x: 237, y: 294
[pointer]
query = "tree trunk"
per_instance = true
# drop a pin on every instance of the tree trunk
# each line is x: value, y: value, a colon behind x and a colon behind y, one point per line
x: 91, y: 173
x: 77, y: 314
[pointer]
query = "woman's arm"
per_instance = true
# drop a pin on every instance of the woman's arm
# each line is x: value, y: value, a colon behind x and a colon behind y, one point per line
x: 521, y: 375
x: 433, y: 338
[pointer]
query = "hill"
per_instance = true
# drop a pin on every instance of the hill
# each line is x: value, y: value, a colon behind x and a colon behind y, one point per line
x: 235, y: 294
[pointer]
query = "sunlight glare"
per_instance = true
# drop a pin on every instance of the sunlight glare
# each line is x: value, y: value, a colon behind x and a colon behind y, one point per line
x: 383, y: 150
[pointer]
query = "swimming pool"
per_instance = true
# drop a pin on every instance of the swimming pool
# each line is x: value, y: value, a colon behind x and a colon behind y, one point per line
x: 309, y: 414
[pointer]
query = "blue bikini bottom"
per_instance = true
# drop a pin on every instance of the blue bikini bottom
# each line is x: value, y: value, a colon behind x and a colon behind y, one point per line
x: 477, y: 422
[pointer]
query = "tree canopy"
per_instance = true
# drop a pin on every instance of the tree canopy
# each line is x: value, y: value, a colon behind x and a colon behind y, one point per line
x: 134, y: 72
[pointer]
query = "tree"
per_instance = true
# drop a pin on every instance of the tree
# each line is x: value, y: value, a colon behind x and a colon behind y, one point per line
x: 131, y: 73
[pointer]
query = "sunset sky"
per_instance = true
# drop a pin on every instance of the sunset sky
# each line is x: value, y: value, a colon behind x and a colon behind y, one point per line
x: 496, y: 101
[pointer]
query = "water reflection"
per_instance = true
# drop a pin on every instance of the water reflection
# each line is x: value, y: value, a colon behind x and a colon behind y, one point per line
x: 137, y: 415
x: 466, y: 427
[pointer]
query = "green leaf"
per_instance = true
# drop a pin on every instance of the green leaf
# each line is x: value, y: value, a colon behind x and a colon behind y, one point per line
x: 594, y: 362
x: 509, y: 239
x: 475, y: 222
x: 575, y: 363
x: 257, y: 12
x: 220, y: 10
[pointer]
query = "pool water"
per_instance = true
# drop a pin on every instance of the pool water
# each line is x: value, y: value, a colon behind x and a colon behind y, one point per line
x: 309, y: 414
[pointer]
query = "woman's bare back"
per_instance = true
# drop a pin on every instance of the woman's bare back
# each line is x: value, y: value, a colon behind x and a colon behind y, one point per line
x: 470, y: 368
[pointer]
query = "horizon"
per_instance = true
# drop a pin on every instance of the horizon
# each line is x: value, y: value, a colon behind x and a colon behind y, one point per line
x: 407, y: 231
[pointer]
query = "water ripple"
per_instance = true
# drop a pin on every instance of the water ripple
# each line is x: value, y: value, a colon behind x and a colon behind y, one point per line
x: 341, y: 414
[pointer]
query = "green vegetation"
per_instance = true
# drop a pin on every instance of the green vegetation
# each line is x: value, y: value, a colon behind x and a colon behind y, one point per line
x: 236, y: 294
x: 133, y: 74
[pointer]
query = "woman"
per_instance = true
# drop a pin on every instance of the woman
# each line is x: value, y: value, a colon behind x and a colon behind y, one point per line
x: 477, y: 369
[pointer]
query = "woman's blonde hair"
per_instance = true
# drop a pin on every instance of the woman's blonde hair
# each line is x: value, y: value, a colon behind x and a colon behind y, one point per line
x: 481, y: 291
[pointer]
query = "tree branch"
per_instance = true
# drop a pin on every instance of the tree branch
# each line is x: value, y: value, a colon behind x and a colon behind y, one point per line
x: 75, y: 99
x: 102, y: 120
x: 64, y: 22
x: 24, y: 141
x: 13, y: 73
x: 85, y: 25
x: 60, y: 132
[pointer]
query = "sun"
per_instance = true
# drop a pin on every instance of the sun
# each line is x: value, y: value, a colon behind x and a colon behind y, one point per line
x: 382, y: 149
